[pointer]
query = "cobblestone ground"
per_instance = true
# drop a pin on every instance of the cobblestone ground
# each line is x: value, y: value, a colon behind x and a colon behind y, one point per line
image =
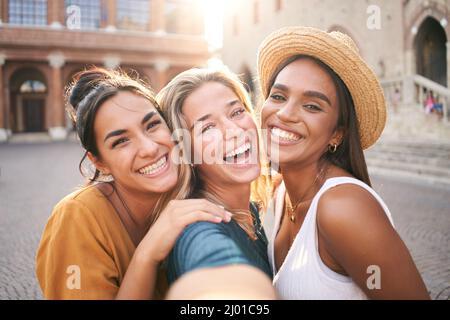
x: 34, y: 177
x: 421, y: 216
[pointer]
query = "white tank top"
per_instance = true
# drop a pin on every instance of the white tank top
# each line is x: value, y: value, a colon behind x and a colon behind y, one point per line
x: 303, y: 275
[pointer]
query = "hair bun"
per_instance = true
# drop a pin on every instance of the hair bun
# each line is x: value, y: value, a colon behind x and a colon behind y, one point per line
x: 84, y: 82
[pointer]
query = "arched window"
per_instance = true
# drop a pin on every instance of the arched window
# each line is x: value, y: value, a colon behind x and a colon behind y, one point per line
x: 431, y: 51
x: 133, y: 14
x: 27, y: 12
x: 182, y: 17
x: 28, y: 96
x: 34, y: 86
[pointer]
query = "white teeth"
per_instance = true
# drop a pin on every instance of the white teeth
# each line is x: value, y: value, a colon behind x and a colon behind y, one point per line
x: 155, y: 167
x: 285, y: 134
x: 242, y: 149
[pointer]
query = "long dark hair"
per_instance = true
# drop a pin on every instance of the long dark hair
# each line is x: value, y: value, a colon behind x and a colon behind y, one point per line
x: 85, y: 95
x: 349, y: 155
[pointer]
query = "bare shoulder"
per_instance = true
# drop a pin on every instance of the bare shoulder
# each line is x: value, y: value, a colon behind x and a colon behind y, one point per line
x: 349, y: 207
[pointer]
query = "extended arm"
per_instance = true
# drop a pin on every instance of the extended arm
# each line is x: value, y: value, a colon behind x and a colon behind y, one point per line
x: 227, y: 282
x: 208, y: 263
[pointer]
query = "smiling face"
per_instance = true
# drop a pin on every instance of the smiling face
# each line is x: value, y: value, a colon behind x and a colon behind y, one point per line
x: 300, y: 115
x: 134, y: 143
x: 224, y: 135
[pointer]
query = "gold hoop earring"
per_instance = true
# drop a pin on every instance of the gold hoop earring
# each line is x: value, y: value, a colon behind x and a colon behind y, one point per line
x: 105, y: 175
x: 332, y: 148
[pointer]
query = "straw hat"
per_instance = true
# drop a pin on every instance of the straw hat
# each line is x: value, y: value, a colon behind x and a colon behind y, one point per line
x: 339, y: 52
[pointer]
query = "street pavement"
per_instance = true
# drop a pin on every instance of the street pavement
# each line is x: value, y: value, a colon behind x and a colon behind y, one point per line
x: 34, y: 177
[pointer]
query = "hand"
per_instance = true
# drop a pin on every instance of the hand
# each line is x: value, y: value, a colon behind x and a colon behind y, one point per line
x: 177, y: 215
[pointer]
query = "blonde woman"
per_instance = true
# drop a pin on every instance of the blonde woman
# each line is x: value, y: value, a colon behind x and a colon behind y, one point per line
x: 210, y: 113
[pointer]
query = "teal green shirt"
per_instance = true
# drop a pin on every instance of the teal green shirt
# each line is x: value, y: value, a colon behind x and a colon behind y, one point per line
x: 207, y: 244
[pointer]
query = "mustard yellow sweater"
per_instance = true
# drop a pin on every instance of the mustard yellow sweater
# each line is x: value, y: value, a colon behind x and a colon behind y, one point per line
x: 85, y: 249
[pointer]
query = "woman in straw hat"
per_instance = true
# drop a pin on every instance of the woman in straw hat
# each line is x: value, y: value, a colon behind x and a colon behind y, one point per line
x: 333, y: 236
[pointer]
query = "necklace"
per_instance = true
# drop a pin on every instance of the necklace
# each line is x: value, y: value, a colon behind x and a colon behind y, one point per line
x: 292, y: 209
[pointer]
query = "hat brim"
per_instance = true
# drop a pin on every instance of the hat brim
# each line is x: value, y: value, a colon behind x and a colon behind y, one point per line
x: 361, y: 81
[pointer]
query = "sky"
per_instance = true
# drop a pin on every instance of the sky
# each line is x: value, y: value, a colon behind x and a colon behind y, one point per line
x: 213, y: 22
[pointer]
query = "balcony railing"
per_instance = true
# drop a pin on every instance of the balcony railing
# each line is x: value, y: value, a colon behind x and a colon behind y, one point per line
x: 414, y: 90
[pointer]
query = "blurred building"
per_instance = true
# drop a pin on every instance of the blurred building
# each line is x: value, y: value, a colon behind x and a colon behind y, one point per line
x: 404, y: 41
x: 44, y: 43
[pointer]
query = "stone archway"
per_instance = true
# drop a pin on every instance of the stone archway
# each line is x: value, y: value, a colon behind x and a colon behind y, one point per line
x: 431, y: 52
x: 28, y: 93
x: 414, y: 22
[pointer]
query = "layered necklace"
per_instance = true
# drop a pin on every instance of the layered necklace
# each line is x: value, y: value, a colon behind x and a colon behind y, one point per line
x: 291, y: 209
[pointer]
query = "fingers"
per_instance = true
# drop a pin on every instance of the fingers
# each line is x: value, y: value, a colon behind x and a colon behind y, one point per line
x: 214, y: 211
x: 192, y: 205
x: 198, y: 215
x: 228, y: 215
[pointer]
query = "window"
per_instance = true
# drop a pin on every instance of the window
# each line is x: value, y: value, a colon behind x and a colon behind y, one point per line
x: 278, y: 5
x: 133, y: 14
x: 182, y: 16
x: 235, y: 25
x: 255, y: 12
x: 32, y: 86
x: 27, y: 12
x: 83, y: 14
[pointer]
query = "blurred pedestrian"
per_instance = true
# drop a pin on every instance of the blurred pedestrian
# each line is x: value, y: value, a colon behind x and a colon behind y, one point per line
x: 429, y: 103
x: 395, y: 99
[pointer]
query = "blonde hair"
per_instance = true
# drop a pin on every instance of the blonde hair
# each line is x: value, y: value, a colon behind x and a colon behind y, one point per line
x: 171, y: 99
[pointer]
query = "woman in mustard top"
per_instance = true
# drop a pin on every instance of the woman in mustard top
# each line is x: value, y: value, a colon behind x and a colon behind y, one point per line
x: 108, y: 239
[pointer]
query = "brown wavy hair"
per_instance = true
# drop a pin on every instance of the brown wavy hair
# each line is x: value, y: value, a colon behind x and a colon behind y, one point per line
x: 85, y: 95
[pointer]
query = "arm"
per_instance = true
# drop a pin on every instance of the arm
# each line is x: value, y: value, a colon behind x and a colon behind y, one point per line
x: 73, y: 259
x: 140, y: 278
x: 207, y: 256
x: 357, y: 234
x: 227, y: 282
